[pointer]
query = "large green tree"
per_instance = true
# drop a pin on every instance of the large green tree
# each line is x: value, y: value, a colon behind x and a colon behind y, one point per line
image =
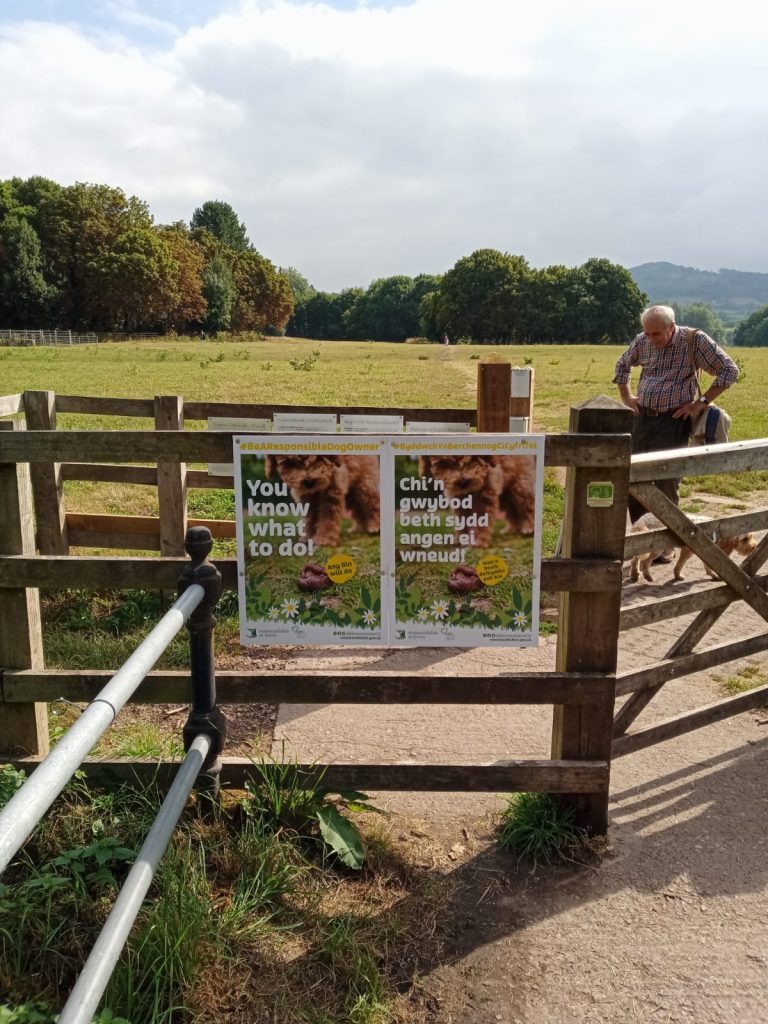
x: 263, y: 296
x: 482, y: 297
x: 609, y: 312
x: 753, y: 332
x: 219, y: 294
x: 221, y: 220
x: 24, y: 293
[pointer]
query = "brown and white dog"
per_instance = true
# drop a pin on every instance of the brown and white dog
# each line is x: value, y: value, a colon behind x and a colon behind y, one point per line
x: 743, y: 545
x: 332, y: 486
x: 501, y: 485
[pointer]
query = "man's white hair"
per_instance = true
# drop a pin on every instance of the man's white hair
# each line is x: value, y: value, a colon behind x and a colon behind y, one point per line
x: 664, y: 313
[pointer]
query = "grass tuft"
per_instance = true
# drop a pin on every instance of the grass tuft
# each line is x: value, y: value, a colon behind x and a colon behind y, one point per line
x: 538, y: 828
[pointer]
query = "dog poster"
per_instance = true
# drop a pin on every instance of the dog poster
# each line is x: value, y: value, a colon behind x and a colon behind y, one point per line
x: 465, y: 542
x: 309, y: 548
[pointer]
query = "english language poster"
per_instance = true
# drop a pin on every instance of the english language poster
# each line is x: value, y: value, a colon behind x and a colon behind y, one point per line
x: 310, y: 566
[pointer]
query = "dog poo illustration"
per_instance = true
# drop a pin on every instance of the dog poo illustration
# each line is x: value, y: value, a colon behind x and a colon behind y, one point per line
x: 503, y: 486
x: 333, y: 486
x: 313, y: 577
x: 464, y: 579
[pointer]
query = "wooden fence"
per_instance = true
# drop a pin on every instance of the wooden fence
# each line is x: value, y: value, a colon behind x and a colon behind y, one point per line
x: 586, y: 732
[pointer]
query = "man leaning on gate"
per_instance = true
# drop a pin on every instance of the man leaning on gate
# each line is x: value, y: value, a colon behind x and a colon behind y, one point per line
x: 667, y: 392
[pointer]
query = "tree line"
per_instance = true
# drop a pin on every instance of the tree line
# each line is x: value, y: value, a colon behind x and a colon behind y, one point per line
x: 87, y: 257
x: 489, y: 297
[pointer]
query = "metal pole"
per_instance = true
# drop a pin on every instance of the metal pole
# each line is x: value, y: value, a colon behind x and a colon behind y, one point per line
x: 32, y: 800
x: 85, y: 996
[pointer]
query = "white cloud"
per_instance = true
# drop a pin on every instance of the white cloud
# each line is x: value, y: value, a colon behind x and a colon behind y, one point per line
x: 375, y: 141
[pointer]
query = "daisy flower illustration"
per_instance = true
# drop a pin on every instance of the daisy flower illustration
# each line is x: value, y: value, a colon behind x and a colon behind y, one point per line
x: 290, y: 607
x: 369, y: 618
x: 274, y: 612
x: 422, y: 615
x: 439, y: 610
x: 520, y: 620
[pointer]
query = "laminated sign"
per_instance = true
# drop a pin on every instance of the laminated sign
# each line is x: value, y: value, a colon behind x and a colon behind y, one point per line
x: 409, y: 540
x: 465, y: 558
x: 309, y: 541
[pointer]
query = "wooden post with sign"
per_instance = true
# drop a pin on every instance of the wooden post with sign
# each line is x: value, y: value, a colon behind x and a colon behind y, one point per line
x: 521, y: 400
x: 587, y: 641
x: 23, y: 726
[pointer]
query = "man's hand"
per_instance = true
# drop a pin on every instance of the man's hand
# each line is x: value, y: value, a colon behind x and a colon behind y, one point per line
x: 632, y: 403
x: 691, y: 409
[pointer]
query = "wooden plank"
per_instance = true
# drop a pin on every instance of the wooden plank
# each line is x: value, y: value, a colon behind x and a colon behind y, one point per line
x: 105, y: 406
x: 728, y: 526
x: 96, y: 522
x: 681, y: 724
x: 588, y: 450
x: 701, y: 545
x: 587, y: 639
x: 24, y: 727
x: 171, y: 480
x: 658, y: 609
x: 203, y: 410
x: 674, y: 668
x: 197, y: 478
x: 114, y: 541
x: 112, y: 474
x: 703, y: 622
x: 98, y: 573
x: 707, y: 460
x: 47, y: 483
x: 162, y: 687
x: 11, y: 404
x: 495, y: 777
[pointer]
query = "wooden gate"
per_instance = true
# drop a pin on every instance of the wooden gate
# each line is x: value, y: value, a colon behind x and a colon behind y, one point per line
x: 737, y: 583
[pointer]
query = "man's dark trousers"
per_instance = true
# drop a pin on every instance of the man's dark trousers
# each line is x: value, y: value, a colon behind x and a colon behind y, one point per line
x: 656, y: 434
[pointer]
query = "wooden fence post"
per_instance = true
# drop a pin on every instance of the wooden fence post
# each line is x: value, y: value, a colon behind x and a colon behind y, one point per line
x: 47, y: 485
x: 587, y: 641
x: 171, y: 479
x: 23, y: 727
x: 521, y: 402
x: 494, y: 387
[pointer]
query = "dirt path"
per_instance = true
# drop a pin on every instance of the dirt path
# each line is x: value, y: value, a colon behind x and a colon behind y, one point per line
x: 671, y: 927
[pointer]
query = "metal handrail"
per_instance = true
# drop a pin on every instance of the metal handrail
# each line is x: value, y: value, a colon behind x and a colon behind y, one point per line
x: 94, y: 978
x: 27, y: 806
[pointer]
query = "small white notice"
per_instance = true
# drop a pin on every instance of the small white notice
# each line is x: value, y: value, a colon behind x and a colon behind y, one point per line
x: 518, y: 424
x: 244, y: 425
x: 372, y: 424
x: 521, y: 382
x: 305, y: 423
x: 433, y: 427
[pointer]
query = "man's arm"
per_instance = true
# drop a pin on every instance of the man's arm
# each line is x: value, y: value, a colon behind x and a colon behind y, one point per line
x: 623, y: 376
x: 710, y: 357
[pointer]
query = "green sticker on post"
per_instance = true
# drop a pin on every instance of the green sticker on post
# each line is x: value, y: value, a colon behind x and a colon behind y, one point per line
x: 600, y: 494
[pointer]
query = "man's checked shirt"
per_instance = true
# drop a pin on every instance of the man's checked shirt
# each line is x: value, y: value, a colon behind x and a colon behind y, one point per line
x: 667, y: 380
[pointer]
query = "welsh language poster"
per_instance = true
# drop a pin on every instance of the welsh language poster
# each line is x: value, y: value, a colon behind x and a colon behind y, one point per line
x: 401, y: 540
x: 466, y: 513
x: 310, y: 565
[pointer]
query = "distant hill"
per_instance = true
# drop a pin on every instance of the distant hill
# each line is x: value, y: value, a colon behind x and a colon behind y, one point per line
x: 733, y: 293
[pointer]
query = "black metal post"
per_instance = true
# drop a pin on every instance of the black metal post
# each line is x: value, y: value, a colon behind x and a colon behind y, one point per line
x: 205, y: 718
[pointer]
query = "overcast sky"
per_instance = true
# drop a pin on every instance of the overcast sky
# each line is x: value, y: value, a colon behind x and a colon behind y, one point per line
x: 359, y: 140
